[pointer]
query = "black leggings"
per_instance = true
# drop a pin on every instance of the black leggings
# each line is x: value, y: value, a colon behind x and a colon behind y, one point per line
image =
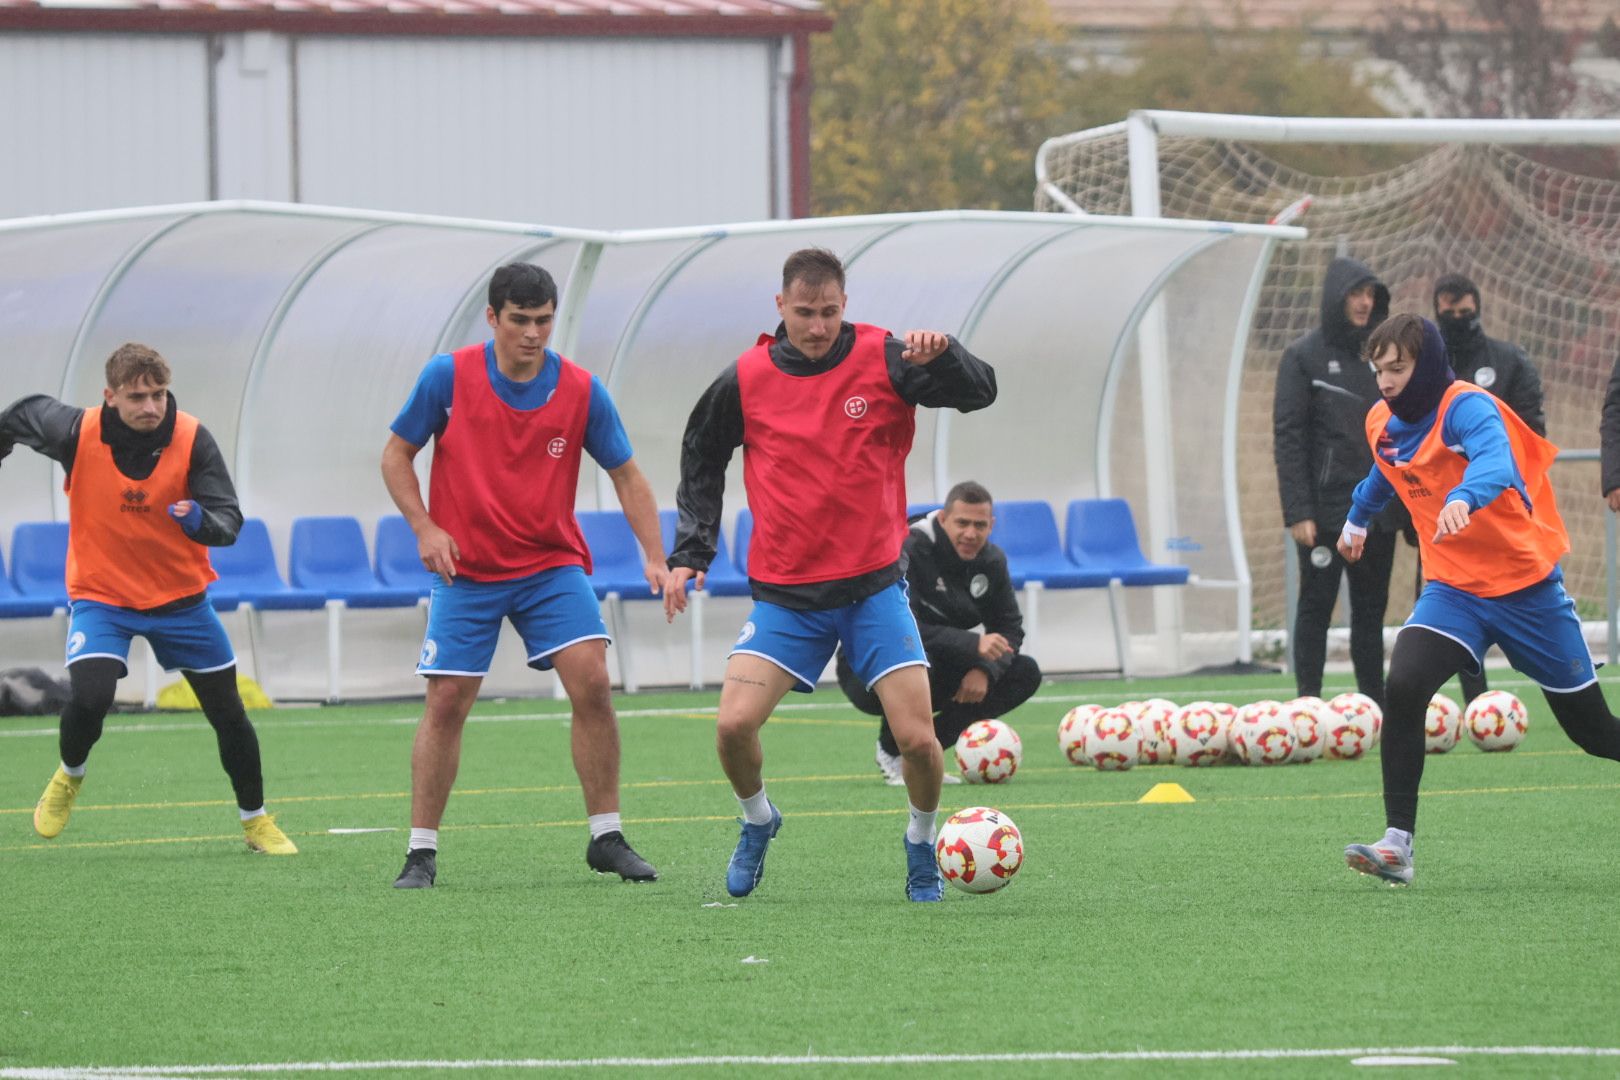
x: 94, y: 681
x: 1422, y: 662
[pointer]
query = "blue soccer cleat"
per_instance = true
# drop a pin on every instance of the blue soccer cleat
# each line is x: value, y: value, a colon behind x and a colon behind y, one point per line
x: 747, y: 865
x: 923, y: 881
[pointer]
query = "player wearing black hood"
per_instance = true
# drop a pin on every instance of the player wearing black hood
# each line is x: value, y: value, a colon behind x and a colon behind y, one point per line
x: 1324, y: 389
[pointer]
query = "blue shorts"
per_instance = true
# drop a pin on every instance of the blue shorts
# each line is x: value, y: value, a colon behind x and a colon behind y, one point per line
x: 550, y: 610
x: 879, y: 635
x: 1537, y: 628
x: 191, y: 639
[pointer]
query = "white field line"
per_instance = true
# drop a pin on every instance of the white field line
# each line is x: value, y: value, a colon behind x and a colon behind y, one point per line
x: 695, y: 711
x: 107, y: 1072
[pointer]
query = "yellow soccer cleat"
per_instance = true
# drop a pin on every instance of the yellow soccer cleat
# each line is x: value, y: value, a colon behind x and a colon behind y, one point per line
x: 52, y: 810
x: 263, y: 837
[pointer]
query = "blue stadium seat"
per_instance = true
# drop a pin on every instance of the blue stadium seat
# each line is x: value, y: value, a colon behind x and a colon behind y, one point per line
x: 616, y: 576
x: 1027, y: 531
x: 1101, y: 533
x: 39, y: 562
x: 918, y: 509
x: 723, y: 578
x: 328, y: 555
x: 399, y: 562
x: 247, y: 573
x: 14, y: 606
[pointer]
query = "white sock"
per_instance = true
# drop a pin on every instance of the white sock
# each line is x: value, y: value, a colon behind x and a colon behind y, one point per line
x: 602, y: 824
x: 249, y: 815
x: 921, y: 828
x: 1400, y: 839
x: 424, y: 838
x: 756, y: 808
x: 73, y: 770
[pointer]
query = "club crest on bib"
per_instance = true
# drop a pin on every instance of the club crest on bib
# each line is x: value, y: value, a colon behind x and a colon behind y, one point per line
x: 556, y: 446
x: 855, y: 407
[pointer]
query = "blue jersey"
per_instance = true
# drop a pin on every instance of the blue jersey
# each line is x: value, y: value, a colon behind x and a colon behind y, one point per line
x: 427, y: 411
x: 1473, y: 428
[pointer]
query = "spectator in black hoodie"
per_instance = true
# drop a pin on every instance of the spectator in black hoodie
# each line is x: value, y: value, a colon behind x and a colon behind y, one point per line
x: 1324, y: 390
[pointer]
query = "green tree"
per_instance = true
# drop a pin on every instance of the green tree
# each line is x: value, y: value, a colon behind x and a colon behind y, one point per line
x: 925, y: 104
x: 1274, y: 73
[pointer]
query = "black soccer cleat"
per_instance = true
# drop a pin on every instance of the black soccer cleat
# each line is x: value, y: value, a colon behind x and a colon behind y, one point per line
x: 421, y: 867
x: 610, y: 854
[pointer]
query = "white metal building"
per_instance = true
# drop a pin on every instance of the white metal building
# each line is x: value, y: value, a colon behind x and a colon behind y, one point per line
x: 596, y: 112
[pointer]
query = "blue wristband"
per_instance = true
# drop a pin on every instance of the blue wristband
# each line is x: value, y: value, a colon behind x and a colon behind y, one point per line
x: 192, y: 518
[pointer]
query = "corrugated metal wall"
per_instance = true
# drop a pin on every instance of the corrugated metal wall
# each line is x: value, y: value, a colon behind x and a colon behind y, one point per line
x: 605, y: 133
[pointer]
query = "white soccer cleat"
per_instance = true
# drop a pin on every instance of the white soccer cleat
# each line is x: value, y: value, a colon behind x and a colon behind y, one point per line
x: 1381, y: 860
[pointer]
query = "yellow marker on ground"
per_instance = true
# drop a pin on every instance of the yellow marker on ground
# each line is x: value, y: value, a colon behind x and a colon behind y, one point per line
x: 1166, y: 793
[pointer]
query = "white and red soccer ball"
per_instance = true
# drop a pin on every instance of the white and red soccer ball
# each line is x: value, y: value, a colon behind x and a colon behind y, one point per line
x: 1309, y: 717
x: 1354, y: 724
x: 988, y: 752
x: 1113, y: 740
x: 1198, y: 734
x: 979, y: 849
x: 1263, y: 734
x: 1442, y: 724
x: 1072, y: 734
x: 1496, y: 720
x: 1153, y: 719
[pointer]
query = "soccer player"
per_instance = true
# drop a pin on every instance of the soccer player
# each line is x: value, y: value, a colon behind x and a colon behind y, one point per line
x: 148, y: 494
x: 511, y: 418
x: 1474, y: 476
x: 959, y: 584
x: 824, y: 411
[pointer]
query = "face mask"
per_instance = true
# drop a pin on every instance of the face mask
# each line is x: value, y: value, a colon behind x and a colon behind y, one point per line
x: 1458, y: 329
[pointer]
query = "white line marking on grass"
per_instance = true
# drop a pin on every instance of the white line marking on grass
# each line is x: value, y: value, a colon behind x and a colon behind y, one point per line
x: 1403, y: 1059
x: 104, y: 1072
x: 357, y: 832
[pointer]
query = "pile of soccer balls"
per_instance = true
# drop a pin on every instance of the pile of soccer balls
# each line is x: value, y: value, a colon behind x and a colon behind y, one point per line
x: 1202, y: 733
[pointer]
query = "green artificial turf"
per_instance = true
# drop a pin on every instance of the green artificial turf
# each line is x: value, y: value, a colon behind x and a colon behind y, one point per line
x: 146, y: 934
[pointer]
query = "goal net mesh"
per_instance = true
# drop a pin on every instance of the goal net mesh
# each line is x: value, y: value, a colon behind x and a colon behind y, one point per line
x: 1542, y: 243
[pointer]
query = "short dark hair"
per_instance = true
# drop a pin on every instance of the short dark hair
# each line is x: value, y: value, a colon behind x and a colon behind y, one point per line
x: 814, y: 266
x: 968, y: 491
x: 522, y: 285
x: 132, y: 362
x: 1457, y: 285
x: 1404, y: 331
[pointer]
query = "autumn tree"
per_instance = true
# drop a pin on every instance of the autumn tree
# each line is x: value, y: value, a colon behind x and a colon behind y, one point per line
x: 924, y: 104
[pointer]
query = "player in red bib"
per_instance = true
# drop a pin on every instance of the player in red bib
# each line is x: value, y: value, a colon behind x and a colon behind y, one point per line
x: 148, y: 495
x: 510, y: 420
x: 823, y: 410
x: 1474, y: 476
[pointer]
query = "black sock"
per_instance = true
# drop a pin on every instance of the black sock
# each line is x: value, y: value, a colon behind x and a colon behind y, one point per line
x: 238, y: 743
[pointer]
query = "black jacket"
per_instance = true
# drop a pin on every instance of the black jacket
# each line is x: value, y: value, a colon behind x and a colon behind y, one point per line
x: 1609, y: 432
x: 950, y: 597
x: 955, y: 379
x: 42, y: 423
x: 1502, y: 368
x: 1324, y: 389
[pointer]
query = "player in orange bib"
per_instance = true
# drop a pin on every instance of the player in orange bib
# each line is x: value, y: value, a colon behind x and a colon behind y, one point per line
x: 1474, y: 476
x: 148, y: 494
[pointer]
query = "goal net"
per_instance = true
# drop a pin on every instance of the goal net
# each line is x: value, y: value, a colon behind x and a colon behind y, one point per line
x: 1542, y: 243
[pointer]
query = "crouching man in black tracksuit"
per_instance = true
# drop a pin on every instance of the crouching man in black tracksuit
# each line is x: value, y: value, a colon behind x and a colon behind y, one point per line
x: 958, y: 583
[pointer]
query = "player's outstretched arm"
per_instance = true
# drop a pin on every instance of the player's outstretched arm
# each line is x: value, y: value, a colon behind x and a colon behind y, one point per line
x: 436, y: 547
x: 41, y: 423
x: 641, y: 510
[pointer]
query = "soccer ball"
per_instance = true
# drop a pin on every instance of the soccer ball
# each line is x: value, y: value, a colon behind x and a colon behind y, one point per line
x: 1113, y: 740
x: 979, y: 849
x: 1198, y: 734
x: 1265, y: 734
x: 1310, y: 727
x: 1353, y: 726
x: 1367, y: 706
x: 1153, y: 719
x: 1496, y: 720
x: 988, y: 752
x: 1442, y: 723
x: 1072, y: 734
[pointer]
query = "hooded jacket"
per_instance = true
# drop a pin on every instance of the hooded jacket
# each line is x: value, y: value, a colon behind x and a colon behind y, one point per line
x: 1324, y: 389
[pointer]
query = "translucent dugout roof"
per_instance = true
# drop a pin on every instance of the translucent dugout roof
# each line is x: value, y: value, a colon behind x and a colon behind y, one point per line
x: 297, y: 332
